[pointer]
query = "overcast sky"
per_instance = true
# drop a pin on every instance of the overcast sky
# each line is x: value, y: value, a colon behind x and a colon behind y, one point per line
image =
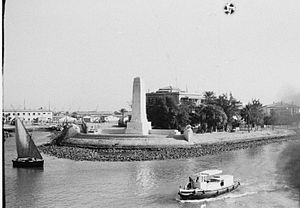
x: 84, y: 54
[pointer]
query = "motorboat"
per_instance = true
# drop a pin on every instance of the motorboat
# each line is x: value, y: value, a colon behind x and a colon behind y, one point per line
x: 207, y: 184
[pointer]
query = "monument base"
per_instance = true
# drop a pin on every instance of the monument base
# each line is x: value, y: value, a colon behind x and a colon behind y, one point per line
x: 141, y: 128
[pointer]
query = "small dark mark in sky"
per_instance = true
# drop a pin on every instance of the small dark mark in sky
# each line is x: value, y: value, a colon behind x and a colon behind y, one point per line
x: 229, y: 9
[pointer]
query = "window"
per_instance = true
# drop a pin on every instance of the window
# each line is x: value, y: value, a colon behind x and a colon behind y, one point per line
x: 33, y: 113
x: 18, y: 114
x: 13, y: 114
x: 39, y: 114
x: 29, y: 114
x: 23, y: 114
x: 44, y: 113
x: 29, y: 119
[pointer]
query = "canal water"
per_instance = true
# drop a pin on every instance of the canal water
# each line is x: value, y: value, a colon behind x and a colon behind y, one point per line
x: 268, y: 176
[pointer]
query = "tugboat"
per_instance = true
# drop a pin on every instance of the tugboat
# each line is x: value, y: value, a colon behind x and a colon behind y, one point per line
x: 208, y: 184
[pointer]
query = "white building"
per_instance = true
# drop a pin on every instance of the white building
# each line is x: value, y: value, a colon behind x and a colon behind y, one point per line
x: 28, y: 116
x: 111, y: 118
x: 95, y: 116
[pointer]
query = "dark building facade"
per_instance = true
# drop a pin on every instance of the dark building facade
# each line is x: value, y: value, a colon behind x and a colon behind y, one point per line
x: 178, y: 95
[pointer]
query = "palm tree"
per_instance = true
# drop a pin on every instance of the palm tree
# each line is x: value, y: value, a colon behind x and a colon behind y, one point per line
x: 231, y: 107
x: 209, y: 97
x: 252, y: 113
x: 212, y: 117
x: 246, y: 113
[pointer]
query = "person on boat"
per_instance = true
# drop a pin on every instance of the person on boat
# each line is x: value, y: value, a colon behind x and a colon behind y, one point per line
x: 222, y: 183
x: 197, y: 183
x: 191, y: 183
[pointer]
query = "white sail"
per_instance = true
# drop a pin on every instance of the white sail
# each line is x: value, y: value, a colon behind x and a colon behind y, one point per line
x: 25, y: 145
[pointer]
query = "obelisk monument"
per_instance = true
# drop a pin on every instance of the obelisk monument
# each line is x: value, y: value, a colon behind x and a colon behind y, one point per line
x: 138, y: 123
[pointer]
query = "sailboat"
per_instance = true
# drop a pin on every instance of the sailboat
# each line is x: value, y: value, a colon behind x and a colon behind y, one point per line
x: 28, y: 154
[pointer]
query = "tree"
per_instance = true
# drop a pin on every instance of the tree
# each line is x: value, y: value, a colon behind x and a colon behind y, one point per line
x: 209, y: 97
x: 196, y: 115
x: 163, y: 113
x: 252, y: 113
x: 267, y: 120
x: 214, y: 117
x: 185, y: 114
x: 122, y: 121
x: 272, y: 119
x: 231, y: 107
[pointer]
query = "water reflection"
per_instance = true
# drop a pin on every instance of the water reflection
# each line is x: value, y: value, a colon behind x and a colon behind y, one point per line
x: 28, y: 184
x: 255, y: 151
x: 144, y: 178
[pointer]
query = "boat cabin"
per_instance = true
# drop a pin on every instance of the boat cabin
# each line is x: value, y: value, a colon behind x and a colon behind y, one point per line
x: 212, y: 180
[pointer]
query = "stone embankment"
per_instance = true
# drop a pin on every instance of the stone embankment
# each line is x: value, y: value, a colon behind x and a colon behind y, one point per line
x: 116, y: 148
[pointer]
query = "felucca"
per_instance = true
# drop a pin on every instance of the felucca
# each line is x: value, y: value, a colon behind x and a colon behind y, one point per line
x: 28, y: 154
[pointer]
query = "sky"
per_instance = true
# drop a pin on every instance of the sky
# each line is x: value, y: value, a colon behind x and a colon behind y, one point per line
x: 83, y: 55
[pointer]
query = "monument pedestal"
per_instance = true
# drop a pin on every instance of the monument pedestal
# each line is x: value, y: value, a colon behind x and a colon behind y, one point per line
x: 141, y: 128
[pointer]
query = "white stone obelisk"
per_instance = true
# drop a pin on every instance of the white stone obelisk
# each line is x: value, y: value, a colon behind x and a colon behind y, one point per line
x: 138, y: 123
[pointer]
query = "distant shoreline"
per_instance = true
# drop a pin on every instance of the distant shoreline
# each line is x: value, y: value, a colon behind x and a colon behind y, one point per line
x: 11, y: 128
x: 87, y: 150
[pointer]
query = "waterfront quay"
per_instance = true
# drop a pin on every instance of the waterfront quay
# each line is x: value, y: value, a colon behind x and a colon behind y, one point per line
x: 136, y: 148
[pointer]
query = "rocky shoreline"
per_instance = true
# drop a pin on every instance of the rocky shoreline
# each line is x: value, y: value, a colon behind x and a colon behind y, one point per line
x: 142, y: 153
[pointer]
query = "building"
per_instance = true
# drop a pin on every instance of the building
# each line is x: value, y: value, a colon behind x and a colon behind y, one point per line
x: 28, y: 116
x: 281, y: 108
x: 95, y: 116
x: 178, y: 95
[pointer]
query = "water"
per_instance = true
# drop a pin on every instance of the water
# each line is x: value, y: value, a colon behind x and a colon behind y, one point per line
x: 66, y: 183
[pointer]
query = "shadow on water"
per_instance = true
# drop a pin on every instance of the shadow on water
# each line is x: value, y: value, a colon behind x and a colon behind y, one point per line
x: 28, y: 184
x: 288, y: 165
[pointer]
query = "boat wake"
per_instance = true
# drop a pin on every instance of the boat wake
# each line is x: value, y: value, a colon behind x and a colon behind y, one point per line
x: 228, y: 196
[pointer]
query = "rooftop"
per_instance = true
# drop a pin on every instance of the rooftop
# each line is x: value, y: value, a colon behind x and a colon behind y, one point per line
x: 95, y: 112
x: 281, y: 105
x: 26, y: 110
x: 210, y: 172
x: 169, y: 89
x: 176, y: 90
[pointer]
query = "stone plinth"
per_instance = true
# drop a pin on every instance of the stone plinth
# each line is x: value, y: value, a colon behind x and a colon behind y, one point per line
x: 138, y: 123
x: 168, y: 132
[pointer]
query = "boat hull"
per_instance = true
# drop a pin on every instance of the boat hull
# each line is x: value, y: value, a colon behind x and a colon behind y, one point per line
x: 28, y: 163
x: 198, y: 194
